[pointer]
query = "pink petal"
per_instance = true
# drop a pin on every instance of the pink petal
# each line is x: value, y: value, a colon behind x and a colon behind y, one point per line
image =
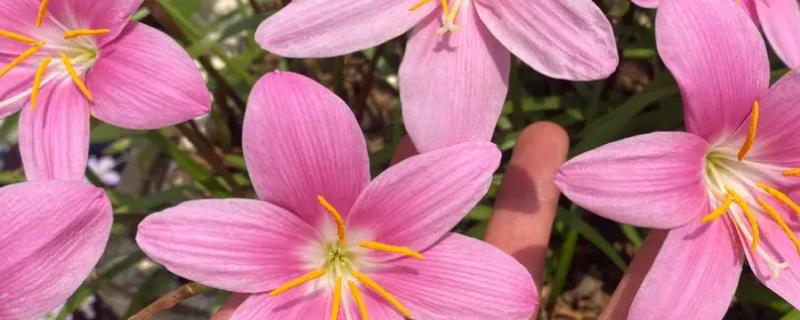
x: 82, y: 14
x: 323, y: 28
x: 459, y: 99
x: 780, y: 20
x: 15, y: 86
x: 145, y: 80
x: 461, y: 278
x: 236, y: 245
x: 417, y: 201
x: 52, y: 234
x: 694, y: 275
x: 777, y: 244
x: 18, y: 16
x: 776, y: 139
x: 646, y: 3
x: 301, y: 141
x: 298, y: 303
x: 54, y: 137
x: 652, y: 180
x: 750, y: 8
x: 562, y: 39
x: 718, y: 87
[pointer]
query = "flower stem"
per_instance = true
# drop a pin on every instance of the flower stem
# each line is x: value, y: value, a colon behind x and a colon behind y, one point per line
x: 170, y: 299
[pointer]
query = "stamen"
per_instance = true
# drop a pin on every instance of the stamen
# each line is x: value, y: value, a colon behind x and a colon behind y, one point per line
x: 337, y: 298
x: 718, y: 212
x: 17, y: 37
x: 775, y: 266
x: 37, y: 81
x: 780, y: 196
x: 314, y: 274
x: 445, y: 7
x: 75, y: 77
x: 40, y: 14
x: 340, y: 227
x: 367, y: 281
x: 21, y: 58
x: 451, y: 15
x: 775, y: 216
x: 374, y: 245
x: 792, y: 172
x: 751, y: 132
x: 362, y: 308
x: 418, y: 5
x: 85, y: 32
x: 751, y: 218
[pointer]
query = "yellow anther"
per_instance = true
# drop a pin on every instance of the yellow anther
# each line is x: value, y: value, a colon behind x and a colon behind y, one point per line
x: 418, y: 5
x: 780, y: 196
x: 718, y: 212
x: 367, y: 281
x: 362, y: 308
x: 85, y: 32
x: 451, y: 15
x: 337, y: 298
x: 21, y: 58
x: 75, y: 77
x: 445, y: 7
x: 751, y: 132
x: 775, y: 216
x: 17, y: 37
x: 37, y: 81
x: 314, y: 274
x: 40, y: 14
x: 792, y: 172
x: 751, y: 218
x: 340, y: 227
x: 374, y: 245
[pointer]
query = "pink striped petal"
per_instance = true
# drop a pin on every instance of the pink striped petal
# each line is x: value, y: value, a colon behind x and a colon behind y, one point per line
x: 453, y: 87
x: 776, y: 140
x: 718, y: 87
x: 145, y: 80
x: 460, y: 278
x: 298, y: 303
x: 15, y: 86
x: 235, y: 244
x: 51, y: 233
x: 82, y: 14
x: 780, y: 20
x: 301, y: 141
x: 694, y: 275
x: 774, y: 241
x: 562, y: 39
x: 324, y: 28
x: 417, y: 201
x: 54, y: 137
x: 17, y: 16
x: 652, y: 180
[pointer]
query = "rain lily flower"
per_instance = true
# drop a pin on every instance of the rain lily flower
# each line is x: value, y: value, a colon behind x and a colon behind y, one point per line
x: 325, y: 242
x: 454, y: 74
x: 67, y: 59
x: 720, y: 188
x: 780, y: 20
x: 52, y: 233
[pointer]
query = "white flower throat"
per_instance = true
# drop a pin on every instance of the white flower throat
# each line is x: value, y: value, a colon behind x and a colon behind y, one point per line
x: 742, y: 189
x: 76, y: 51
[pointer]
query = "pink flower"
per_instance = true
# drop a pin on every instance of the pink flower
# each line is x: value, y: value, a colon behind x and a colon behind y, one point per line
x: 719, y: 187
x: 67, y: 59
x: 454, y: 75
x: 780, y: 20
x: 326, y: 242
x: 51, y: 235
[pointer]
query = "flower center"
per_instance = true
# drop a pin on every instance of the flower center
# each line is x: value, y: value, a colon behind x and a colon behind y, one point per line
x: 74, y: 51
x: 450, y: 10
x: 340, y: 266
x: 739, y: 190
